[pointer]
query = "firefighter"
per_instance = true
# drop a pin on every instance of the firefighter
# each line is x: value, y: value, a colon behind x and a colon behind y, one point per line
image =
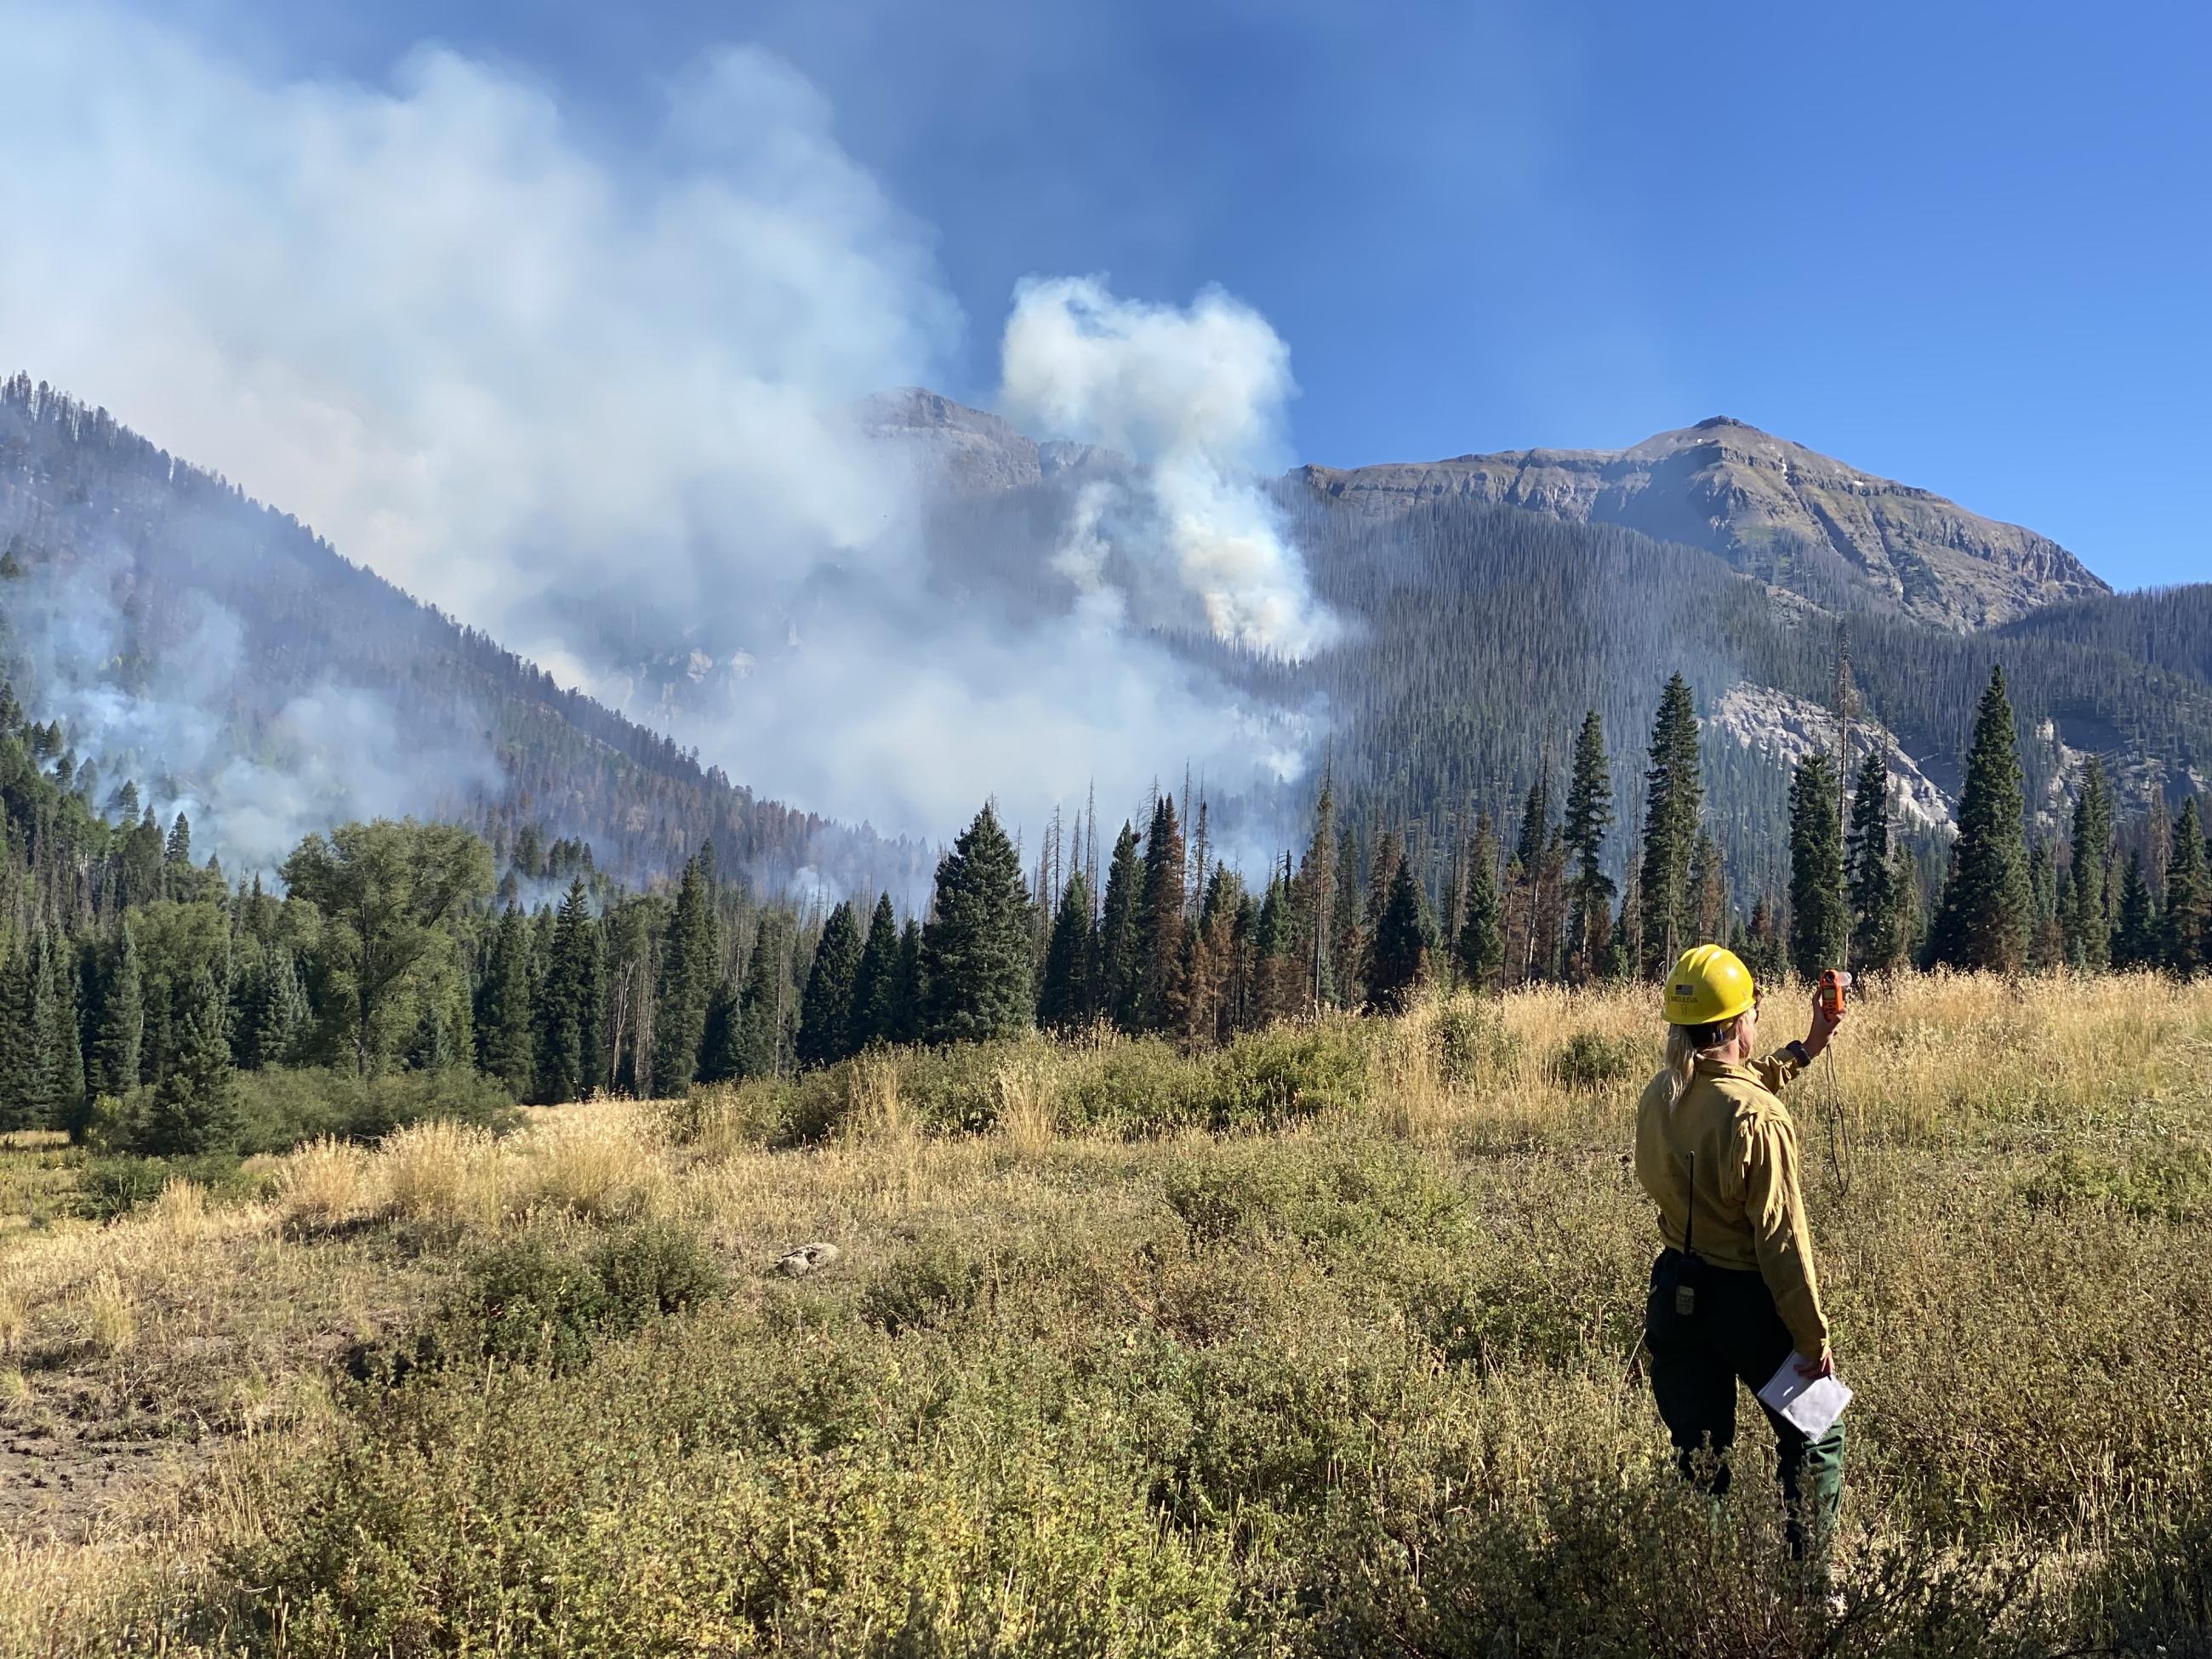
x: 1734, y: 1292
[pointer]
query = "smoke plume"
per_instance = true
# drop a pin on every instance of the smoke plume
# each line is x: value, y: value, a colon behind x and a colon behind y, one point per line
x: 595, y: 397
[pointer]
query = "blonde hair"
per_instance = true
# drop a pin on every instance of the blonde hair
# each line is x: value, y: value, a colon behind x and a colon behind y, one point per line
x: 1685, y: 1043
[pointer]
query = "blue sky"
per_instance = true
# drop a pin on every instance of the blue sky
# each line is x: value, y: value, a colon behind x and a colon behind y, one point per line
x: 1965, y: 247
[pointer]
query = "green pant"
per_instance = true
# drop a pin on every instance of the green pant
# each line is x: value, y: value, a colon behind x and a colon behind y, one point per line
x: 1735, y: 1334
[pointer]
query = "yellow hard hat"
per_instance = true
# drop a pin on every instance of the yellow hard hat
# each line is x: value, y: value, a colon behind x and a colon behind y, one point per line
x: 1708, y: 985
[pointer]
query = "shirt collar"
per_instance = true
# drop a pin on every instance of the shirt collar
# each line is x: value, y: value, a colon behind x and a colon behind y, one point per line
x: 1725, y: 1068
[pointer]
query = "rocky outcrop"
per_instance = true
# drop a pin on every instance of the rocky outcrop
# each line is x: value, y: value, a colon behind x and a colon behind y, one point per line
x: 970, y: 449
x: 1789, y: 728
x: 1751, y: 496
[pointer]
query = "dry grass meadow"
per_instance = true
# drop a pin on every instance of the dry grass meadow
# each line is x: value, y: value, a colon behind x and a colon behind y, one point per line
x: 1321, y: 1345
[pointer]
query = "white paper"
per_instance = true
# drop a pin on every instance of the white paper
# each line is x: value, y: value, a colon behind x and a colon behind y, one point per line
x: 1813, y: 1404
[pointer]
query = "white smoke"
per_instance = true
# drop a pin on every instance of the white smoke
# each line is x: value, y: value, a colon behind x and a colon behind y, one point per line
x: 1196, y: 396
x: 592, y: 397
x: 331, y: 753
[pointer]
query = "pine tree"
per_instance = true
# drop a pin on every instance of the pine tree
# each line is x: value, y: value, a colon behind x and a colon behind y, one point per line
x: 2088, y: 918
x: 1347, y: 939
x: 121, y: 1024
x: 18, y: 1042
x: 1709, y: 891
x: 825, y: 1012
x: 1983, y: 921
x: 1820, y: 920
x: 1315, y: 895
x: 1160, y: 924
x: 506, y: 1046
x: 911, y: 980
x: 2135, y: 936
x: 875, y: 981
x: 178, y: 852
x: 975, y: 950
x: 721, y: 1053
x: 1404, y: 936
x: 570, y: 1013
x: 1590, y: 889
x: 1906, y: 904
x: 691, y: 968
x: 1481, y: 944
x: 765, y: 1006
x: 2046, y: 945
x: 1120, y: 960
x: 194, y: 1107
x: 1673, y: 801
x: 1873, y: 898
x: 1067, y: 1001
x: 281, y: 1014
x: 2187, y: 921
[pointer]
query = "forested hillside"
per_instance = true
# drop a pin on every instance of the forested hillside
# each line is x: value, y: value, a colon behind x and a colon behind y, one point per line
x: 209, y: 647
x: 2169, y: 627
x: 1488, y: 631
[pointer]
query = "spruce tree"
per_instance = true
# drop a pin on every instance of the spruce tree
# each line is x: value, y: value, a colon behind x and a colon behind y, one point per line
x: 1121, y: 962
x: 569, y: 1004
x: 2187, y: 921
x: 1819, y: 919
x: 1404, y: 936
x: 1983, y: 921
x: 911, y: 982
x: 875, y: 981
x: 178, y: 852
x: 2087, y: 918
x: 18, y: 1042
x: 765, y: 1006
x: 2136, y: 937
x: 1067, y: 1001
x: 1315, y: 896
x: 975, y: 950
x: 280, y: 1015
x: 1874, y: 897
x: 2046, y: 945
x: 691, y: 968
x: 121, y: 1021
x: 721, y: 1056
x: 1589, y: 815
x: 1709, y: 891
x: 1674, y: 800
x: 1347, y: 942
x: 1160, y: 924
x: 194, y: 1109
x: 1481, y: 943
x: 825, y: 1012
x: 506, y: 1038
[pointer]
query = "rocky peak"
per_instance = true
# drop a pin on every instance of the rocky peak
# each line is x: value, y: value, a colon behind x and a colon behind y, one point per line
x: 1760, y: 500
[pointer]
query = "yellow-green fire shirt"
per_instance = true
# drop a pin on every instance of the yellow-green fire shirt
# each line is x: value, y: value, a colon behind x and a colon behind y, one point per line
x: 1750, y: 1209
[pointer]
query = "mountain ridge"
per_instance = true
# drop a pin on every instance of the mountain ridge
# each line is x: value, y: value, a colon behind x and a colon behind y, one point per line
x: 1764, y: 503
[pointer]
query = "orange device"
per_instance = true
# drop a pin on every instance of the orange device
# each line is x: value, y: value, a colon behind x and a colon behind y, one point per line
x: 1834, y: 982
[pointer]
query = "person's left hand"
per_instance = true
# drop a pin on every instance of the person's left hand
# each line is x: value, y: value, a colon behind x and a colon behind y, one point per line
x: 1824, y: 1025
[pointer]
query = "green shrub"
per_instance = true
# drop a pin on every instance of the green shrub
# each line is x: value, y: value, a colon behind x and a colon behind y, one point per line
x: 1143, y: 1086
x: 110, y: 1187
x: 1285, y: 1074
x: 955, y: 1089
x: 1472, y: 1044
x: 283, y: 1107
x: 527, y: 1302
x: 2171, y: 1182
x: 1592, y: 1062
x: 927, y: 1283
x: 656, y: 1267
x: 1352, y: 1198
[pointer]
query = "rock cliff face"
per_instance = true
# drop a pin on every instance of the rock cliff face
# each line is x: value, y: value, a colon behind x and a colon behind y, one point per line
x: 966, y: 447
x: 1764, y: 503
